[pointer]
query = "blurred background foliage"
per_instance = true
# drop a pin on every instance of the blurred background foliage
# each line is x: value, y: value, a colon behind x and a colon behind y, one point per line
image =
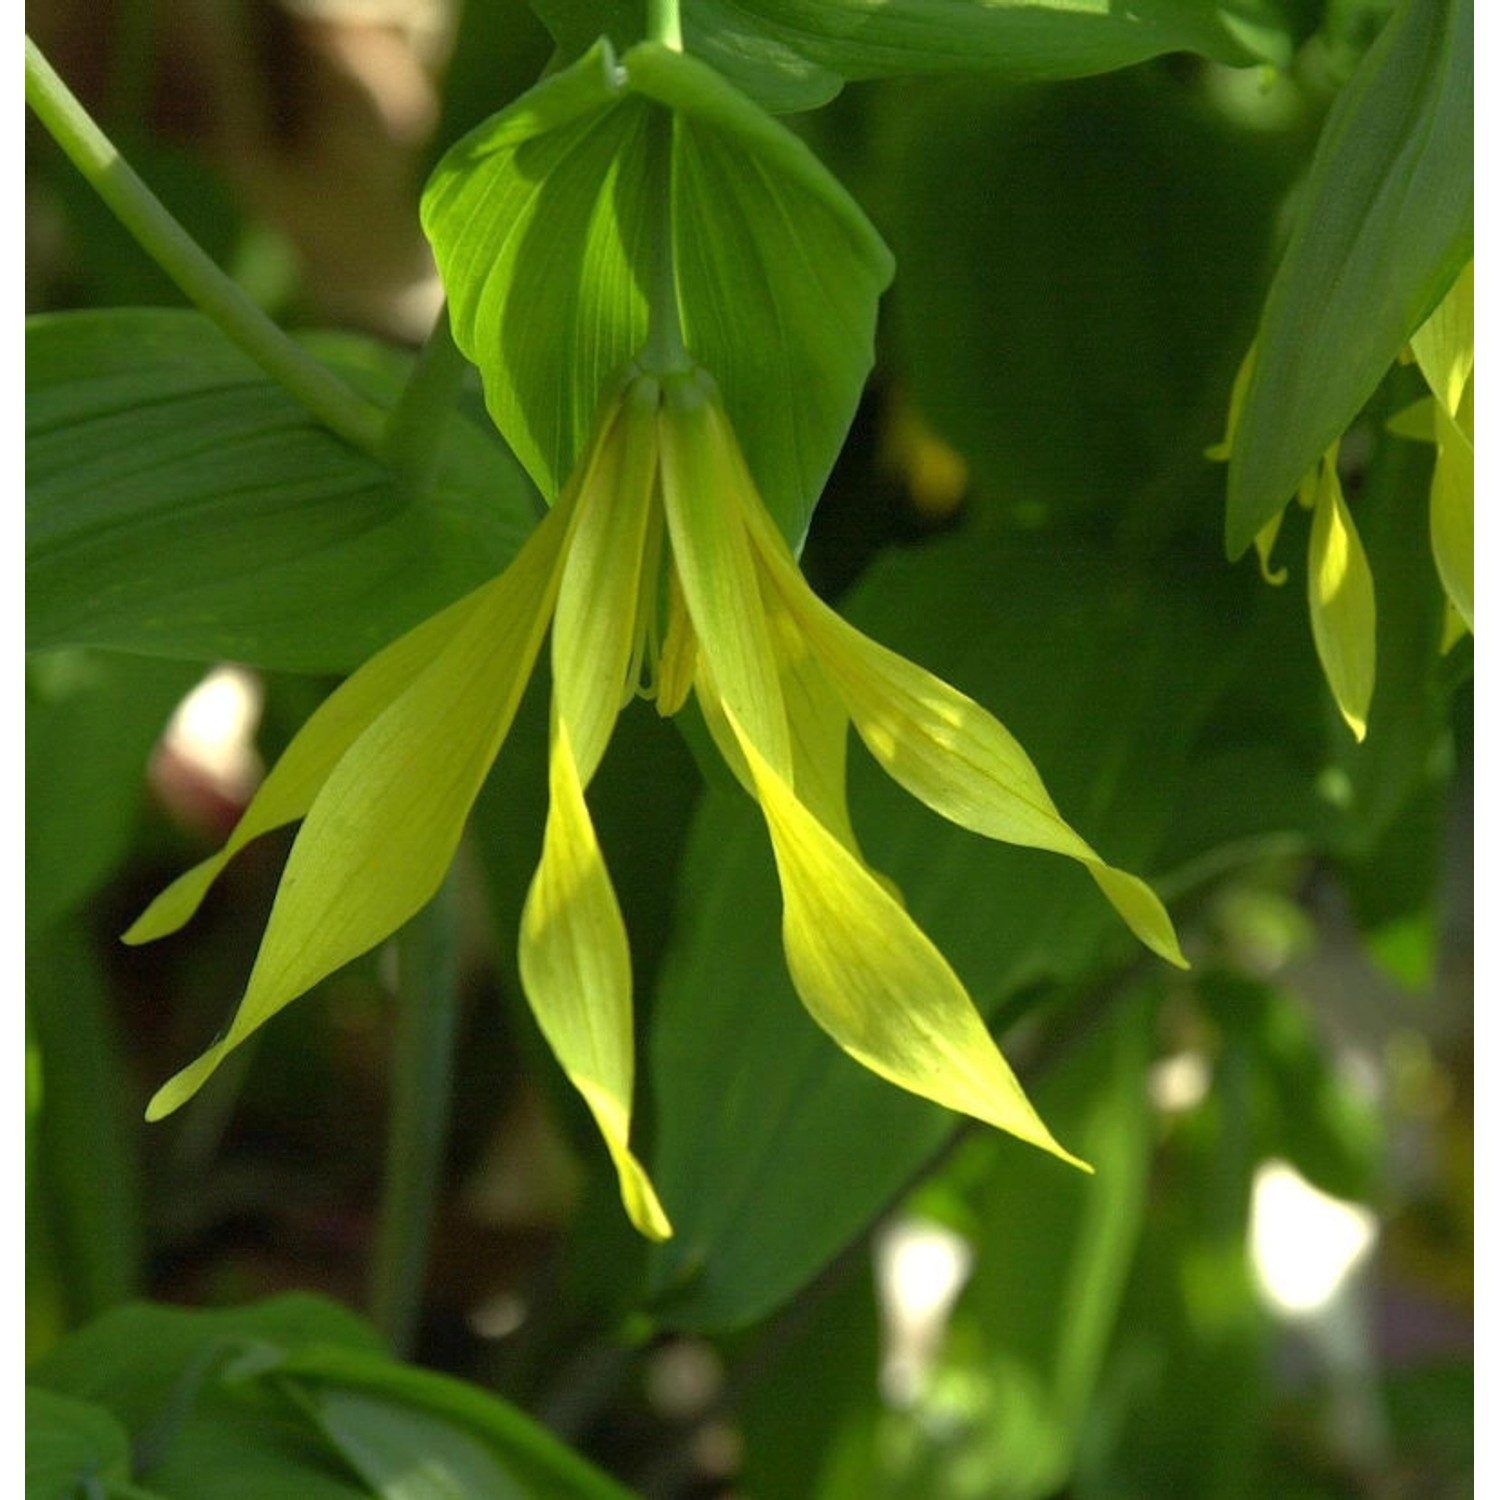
x: 1266, y: 1288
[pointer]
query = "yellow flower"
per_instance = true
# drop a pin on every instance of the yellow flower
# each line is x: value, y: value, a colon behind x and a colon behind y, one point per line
x: 659, y: 571
x: 1444, y: 350
x: 1340, y: 586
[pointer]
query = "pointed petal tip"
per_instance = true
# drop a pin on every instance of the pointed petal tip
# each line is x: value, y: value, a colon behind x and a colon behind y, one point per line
x: 181, y: 1086
x: 639, y: 1197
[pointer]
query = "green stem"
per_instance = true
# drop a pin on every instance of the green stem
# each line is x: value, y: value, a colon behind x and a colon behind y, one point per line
x: 414, y: 431
x: 664, y: 23
x: 350, y: 416
x: 421, y: 1078
x: 666, y: 350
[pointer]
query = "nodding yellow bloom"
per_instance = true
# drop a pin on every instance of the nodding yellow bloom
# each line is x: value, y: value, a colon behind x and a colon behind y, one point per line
x: 660, y: 572
x: 1444, y: 350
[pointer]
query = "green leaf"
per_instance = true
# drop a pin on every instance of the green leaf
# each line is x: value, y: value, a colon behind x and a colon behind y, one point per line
x: 181, y: 504
x: 772, y: 1148
x: 1070, y: 342
x: 797, y: 54
x: 91, y: 720
x: 196, y: 1433
x: 1385, y: 223
x: 351, y: 1386
x: 133, y: 1360
x: 88, y: 1130
x: 1047, y: 1282
x: 70, y: 1444
x: 546, y: 224
x: 408, y: 1455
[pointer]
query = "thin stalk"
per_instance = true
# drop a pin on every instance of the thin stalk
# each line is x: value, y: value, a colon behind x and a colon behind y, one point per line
x: 421, y: 1083
x: 341, y: 410
x: 664, y: 23
x: 414, y: 431
x: 666, y: 351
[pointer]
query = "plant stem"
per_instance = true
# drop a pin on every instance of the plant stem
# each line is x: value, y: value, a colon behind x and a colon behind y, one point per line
x: 666, y: 351
x: 414, y: 431
x: 664, y: 23
x: 338, y: 408
x: 421, y: 1079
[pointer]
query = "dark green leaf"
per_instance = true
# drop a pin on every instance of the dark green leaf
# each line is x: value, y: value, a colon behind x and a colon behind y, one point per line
x: 145, y: 1362
x: 484, y: 1429
x: 88, y: 1177
x: 91, y: 720
x: 1079, y: 267
x: 1053, y: 1251
x: 70, y: 1443
x: 181, y: 504
x: 797, y: 54
x: 1384, y: 224
x: 196, y: 1435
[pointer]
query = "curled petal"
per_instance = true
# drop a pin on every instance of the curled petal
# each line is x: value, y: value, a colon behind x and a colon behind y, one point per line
x: 872, y: 979
x: 1341, y: 602
x: 382, y: 829
x: 575, y: 967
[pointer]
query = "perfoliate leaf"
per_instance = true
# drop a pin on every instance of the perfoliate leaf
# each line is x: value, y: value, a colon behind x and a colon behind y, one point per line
x: 548, y: 223
x: 1385, y: 222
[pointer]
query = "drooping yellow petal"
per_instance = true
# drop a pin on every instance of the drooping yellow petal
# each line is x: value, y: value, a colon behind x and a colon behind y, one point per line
x: 1444, y: 344
x: 819, y: 723
x: 1452, y: 514
x: 594, y: 636
x: 716, y: 568
x: 1341, y: 602
x: 872, y: 979
x: 575, y: 967
x: 946, y: 750
x: 297, y: 777
x: 382, y: 830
